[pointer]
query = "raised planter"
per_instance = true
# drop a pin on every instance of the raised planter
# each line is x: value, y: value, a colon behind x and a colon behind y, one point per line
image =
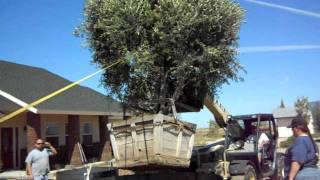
x: 151, y: 140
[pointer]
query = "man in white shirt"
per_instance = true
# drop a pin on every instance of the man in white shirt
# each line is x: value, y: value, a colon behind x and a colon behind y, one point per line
x: 37, y: 161
x: 263, y: 141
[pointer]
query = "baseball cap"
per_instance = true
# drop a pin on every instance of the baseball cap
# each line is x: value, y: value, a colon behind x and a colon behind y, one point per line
x: 296, y: 122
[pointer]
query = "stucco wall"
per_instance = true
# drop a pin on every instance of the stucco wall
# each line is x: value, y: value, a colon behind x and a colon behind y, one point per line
x: 60, y: 120
x: 311, y: 124
x: 284, y: 132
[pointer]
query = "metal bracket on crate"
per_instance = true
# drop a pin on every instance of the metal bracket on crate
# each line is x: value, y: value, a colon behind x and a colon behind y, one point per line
x: 158, y: 120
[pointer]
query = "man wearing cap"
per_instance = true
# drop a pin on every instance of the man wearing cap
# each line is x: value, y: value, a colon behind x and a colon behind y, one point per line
x: 302, y: 156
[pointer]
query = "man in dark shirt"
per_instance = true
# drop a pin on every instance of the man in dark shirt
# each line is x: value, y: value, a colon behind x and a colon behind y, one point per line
x: 302, y: 156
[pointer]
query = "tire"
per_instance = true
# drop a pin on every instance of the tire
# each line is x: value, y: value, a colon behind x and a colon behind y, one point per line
x: 250, y: 173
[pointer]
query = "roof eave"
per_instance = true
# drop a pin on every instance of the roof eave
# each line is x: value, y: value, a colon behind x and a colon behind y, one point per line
x: 76, y: 112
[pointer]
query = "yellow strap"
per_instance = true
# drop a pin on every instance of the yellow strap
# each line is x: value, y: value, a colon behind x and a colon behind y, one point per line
x: 15, y: 113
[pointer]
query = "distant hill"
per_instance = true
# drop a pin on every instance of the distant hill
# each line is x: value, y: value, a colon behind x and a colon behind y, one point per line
x: 203, y: 136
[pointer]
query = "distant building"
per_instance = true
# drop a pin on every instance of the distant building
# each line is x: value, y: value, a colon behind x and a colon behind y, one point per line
x: 284, y: 116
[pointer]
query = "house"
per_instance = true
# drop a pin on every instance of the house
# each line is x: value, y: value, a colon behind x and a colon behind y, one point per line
x: 284, y: 116
x: 79, y: 114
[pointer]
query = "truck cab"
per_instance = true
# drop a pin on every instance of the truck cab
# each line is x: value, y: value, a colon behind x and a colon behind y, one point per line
x: 240, y: 154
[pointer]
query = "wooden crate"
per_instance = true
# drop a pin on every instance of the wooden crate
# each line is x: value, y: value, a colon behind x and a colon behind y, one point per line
x: 152, y: 140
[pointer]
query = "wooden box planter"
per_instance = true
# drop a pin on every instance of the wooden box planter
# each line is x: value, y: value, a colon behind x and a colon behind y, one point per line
x: 151, y: 140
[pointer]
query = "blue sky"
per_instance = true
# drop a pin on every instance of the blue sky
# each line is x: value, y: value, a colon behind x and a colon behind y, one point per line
x: 279, y: 48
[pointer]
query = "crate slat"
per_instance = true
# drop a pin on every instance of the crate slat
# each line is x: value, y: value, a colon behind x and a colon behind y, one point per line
x: 151, y: 140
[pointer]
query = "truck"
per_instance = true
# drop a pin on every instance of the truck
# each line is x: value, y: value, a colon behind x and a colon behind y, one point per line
x: 162, y: 142
x: 238, y: 154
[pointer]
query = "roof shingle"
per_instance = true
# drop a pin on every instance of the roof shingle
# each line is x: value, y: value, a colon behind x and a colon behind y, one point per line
x: 31, y: 83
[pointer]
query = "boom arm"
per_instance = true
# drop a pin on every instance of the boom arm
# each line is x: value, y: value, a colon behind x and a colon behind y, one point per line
x: 219, y: 112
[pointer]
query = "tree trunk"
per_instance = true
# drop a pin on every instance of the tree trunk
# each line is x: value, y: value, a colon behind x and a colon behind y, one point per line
x: 163, y: 90
x: 179, y: 88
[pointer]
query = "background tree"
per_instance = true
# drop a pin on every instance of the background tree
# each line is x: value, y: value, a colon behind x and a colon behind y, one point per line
x: 282, y: 104
x: 302, y: 108
x: 179, y: 49
x: 317, y: 117
x: 214, y: 128
x: 315, y: 109
x: 213, y: 125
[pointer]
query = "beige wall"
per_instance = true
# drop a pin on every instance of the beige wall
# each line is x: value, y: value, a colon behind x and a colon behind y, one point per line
x: 94, y: 120
x: 311, y: 125
x: 284, y: 132
x: 60, y: 120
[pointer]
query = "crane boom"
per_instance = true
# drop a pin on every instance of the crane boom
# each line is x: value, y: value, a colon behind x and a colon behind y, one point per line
x: 219, y: 112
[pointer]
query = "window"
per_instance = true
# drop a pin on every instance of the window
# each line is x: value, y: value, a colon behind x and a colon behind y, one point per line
x: 87, y: 128
x: 52, y: 129
x: 86, y: 133
x: 52, y: 134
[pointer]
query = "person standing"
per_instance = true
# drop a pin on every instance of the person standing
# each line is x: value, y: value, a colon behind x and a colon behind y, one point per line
x: 37, y: 161
x: 302, y: 156
x: 263, y: 141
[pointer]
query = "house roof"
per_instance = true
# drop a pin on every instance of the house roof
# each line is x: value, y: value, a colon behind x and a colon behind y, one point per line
x: 1, y: 114
x: 28, y: 84
x: 284, y: 112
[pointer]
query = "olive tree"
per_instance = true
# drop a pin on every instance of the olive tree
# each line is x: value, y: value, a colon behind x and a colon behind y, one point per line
x: 177, y: 49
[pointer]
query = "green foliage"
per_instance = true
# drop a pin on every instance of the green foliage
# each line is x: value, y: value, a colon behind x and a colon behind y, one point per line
x: 180, y: 49
x: 287, y: 143
x: 282, y: 104
x: 317, y: 113
x: 302, y: 108
x: 317, y: 117
x: 213, y: 124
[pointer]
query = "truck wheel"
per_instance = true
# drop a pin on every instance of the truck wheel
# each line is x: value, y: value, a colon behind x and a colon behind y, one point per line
x: 250, y: 173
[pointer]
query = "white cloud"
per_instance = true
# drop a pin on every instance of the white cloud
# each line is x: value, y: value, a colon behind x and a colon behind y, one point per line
x: 276, y: 48
x: 286, y: 8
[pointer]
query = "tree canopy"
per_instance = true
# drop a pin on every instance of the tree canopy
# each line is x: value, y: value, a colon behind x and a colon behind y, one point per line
x: 302, y: 108
x: 179, y: 49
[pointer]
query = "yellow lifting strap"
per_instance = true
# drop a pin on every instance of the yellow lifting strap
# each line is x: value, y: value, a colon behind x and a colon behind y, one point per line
x: 41, y: 100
